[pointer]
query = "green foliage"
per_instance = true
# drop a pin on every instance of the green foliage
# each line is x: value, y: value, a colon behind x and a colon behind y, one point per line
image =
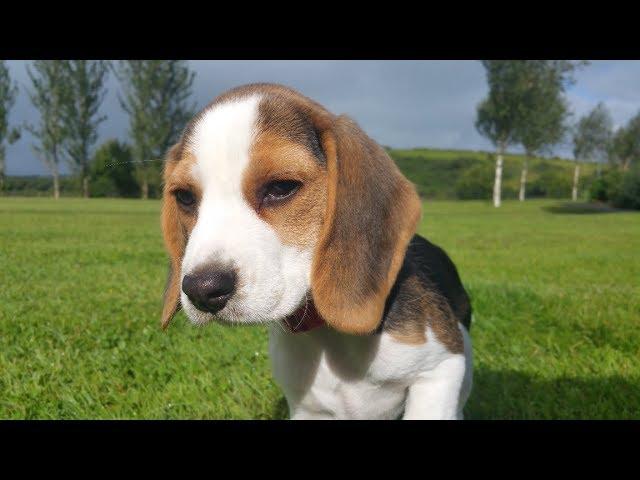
x: 617, y: 188
x: 497, y: 115
x: 112, y: 171
x: 48, y: 95
x: 433, y: 171
x: 84, y: 93
x: 604, y: 187
x: 155, y: 95
x: 39, y: 186
x: 8, y: 92
x: 28, y: 185
x: 592, y: 135
x: 525, y: 103
x: 438, y: 174
x: 542, y: 116
x: 551, y: 184
x: 598, y: 190
x: 555, y: 316
x: 475, y: 183
x: 625, y: 147
x: 627, y: 194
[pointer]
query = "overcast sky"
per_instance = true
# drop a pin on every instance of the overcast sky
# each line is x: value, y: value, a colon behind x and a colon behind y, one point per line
x: 398, y: 103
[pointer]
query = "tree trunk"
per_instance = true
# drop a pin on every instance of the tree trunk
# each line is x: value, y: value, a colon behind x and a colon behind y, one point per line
x: 523, y: 180
x: 56, y: 184
x: 145, y: 188
x: 54, y: 172
x: 497, y: 184
x: 1, y: 173
x: 85, y: 186
x: 576, y: 177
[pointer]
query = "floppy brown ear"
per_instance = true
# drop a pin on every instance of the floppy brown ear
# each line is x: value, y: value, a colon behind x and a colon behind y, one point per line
x: 372, y: 213
x: 174, y: 241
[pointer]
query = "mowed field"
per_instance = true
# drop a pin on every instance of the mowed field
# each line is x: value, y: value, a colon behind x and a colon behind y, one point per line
x: 556, y: 297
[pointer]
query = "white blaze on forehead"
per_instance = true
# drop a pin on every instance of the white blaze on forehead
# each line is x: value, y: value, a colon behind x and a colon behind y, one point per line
x: 221, y: 142
x: 273, y: 278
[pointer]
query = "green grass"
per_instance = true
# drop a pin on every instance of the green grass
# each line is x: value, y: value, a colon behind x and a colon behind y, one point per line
x: 556, y: 299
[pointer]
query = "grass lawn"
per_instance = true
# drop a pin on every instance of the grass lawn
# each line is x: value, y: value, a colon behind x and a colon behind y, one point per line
x: 556, y: 297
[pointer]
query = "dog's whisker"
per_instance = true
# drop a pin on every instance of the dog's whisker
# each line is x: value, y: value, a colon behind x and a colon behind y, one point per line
x: 113, y: 164
x: 279, y: 322
x: 304, y: 314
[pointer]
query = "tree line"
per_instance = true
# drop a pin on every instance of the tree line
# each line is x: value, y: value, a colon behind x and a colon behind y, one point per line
x: 68, y: 95
x: 527, y: 106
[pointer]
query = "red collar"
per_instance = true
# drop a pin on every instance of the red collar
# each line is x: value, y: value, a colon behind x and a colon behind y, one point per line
x: 304, y: 319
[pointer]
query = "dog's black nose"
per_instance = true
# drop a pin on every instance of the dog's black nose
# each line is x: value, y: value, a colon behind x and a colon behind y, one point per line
x: 209, y: 290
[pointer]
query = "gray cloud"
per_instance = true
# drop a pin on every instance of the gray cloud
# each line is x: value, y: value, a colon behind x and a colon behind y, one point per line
x: 399, y: 103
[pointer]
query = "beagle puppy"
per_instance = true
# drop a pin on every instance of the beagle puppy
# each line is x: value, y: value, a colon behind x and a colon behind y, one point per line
x: 277, y: 211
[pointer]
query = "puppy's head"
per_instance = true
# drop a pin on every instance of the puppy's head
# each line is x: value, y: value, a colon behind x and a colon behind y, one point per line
x: 270, y: 200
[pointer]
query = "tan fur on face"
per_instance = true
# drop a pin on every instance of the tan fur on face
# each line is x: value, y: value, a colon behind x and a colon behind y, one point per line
x: 176, y: 224
x: 297, y: 221
x: 354, y: 205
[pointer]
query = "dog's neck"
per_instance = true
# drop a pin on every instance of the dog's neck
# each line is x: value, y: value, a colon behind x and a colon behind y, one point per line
x: 307, y: 318
x: 304, y: 319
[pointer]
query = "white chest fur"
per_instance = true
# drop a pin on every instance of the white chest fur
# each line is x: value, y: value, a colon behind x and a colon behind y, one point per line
x: 327, y: 374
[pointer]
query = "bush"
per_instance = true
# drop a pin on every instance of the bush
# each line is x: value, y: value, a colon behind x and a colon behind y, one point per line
x: 112, y: 172
x: 508, y: 192
x: 599, y: 190
x: 535, y: 189
x: 476, y: 183
x: 620, y: 189
x: 627, y: 195
x: 28, y: 185
x: 606, y: 186
x: 41, y: 186
x: 551, y: 183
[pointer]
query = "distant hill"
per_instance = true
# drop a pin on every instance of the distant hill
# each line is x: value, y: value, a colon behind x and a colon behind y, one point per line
x: 447, y: 174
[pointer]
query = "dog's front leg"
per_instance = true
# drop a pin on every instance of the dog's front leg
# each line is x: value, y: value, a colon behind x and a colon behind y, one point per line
x: 440, y: 393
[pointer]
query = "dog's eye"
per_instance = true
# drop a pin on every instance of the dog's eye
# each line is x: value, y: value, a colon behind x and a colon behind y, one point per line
x: 279, y: 190
x: 185, y: 198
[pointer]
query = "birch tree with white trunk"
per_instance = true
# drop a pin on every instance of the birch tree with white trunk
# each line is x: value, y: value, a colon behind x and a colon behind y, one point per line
x: 592, y: 139
x: 544, y: 110
x: 525, y: 105
x: 497, y: 114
